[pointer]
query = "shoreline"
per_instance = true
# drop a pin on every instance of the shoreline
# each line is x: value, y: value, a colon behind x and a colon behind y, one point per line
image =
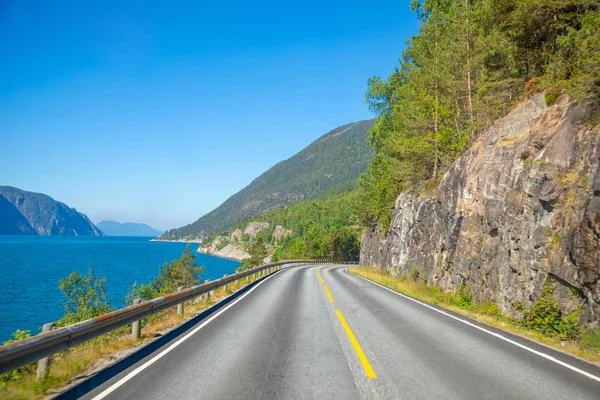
x: 177, y: 241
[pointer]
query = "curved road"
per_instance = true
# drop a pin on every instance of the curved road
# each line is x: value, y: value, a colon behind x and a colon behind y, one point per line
x: 321, y: 333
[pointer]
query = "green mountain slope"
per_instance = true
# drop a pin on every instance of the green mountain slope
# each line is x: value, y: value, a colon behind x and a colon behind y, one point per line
x: 28, y: 213
x: 324, y: 227
x: 335, y: 158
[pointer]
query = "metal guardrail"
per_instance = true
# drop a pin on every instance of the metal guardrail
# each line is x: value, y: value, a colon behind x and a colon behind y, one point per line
x: 23, y: 352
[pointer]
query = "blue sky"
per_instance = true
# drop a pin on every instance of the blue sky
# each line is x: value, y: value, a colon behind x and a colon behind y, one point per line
x: 157, y: 112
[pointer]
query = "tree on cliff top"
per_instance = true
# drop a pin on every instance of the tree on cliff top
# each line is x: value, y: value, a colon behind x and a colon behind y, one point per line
x: 468, y: 66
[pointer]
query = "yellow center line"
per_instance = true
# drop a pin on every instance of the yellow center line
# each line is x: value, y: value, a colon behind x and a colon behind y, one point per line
x: 328, y: 294
x: 357, y: 348
x: 319, y: 275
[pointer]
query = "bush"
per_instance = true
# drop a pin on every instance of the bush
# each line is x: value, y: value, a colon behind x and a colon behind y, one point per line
x: 463, y: 298
x: 490, y: 307
x: 546, y: 317
x: 552, y: 94
x: 17, y: 373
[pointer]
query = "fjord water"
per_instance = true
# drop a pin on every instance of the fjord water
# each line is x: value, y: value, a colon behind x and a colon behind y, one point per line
x: 31, y: 266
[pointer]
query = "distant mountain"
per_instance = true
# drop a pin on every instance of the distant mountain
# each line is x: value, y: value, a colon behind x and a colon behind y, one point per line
x: 335, y: 158
x: 114, y: 228
x: 28, y: 213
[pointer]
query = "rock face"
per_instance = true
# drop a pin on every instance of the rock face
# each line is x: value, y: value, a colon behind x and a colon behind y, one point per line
x: 30, y: 213
x: 519, y: 210
x: 254, y: 228
x: 280, y: 232
x: 236, y: 235
x: 232, y: 250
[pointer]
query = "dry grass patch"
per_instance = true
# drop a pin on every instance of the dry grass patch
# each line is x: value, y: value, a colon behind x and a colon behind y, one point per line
x: 567, y: 179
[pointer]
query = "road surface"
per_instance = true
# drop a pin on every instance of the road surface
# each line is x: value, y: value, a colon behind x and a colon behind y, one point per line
x: 322, y: 333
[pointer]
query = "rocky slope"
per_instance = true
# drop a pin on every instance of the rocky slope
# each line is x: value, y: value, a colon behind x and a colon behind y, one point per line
x: 234, y: 251
x: 28, y: 213
x: 232, y: 245
x: 337, y: 157
x: 519, y: 210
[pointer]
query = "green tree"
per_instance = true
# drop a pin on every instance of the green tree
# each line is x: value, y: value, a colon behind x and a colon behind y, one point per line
x: 85, y: 297
x: 466, y: 67
x: 257, y: 251
x: 181, y: 272
x: 297, y: 249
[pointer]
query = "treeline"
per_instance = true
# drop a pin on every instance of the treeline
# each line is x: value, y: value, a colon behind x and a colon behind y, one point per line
x: 470, y: 63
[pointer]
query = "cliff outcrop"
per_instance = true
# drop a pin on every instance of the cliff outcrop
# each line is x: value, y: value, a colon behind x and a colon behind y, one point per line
x: 520, y: 209
x: 234, y: 251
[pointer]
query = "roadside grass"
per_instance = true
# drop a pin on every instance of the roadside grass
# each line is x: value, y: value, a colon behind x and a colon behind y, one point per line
x: 587, y: 346
x: 72, y: 365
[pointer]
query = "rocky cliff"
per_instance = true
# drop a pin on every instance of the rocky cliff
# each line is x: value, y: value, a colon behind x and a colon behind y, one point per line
x: 234, y: 251
x: 29, y: 213
x: 519, y: 210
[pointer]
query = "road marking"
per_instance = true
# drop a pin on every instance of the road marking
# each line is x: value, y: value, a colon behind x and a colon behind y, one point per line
x: 539, y: 353
x: 319, y: 275
x: 142, y: 367
x: 328, y: 294
x: 361, y: 356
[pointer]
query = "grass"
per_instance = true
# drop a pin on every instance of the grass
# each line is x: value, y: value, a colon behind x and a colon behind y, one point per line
x: 513, y: 140
x: 587, y: 347
x: 567, y: 179
x: 67, y: 366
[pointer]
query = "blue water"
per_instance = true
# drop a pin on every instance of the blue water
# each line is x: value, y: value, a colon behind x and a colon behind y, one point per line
x: 31, y: 266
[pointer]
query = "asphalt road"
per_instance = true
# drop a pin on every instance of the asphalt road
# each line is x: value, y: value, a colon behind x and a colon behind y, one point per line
x: 286, y: 339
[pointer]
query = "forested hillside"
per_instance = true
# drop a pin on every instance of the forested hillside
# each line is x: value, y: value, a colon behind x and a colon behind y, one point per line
x: 335, y: 158
x: 472, y: 62
x: 319, y: 228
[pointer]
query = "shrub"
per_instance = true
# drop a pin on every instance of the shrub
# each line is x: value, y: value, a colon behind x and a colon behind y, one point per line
x: 546, y: 317
x: 490, y: 307
x: 552, y: 94
x: 463, y: 298
x: 414, y: 274
x: 17, y: 373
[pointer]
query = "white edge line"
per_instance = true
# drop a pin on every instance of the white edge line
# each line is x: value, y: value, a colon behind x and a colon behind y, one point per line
x: 546, y: 356
x: 142, y: 367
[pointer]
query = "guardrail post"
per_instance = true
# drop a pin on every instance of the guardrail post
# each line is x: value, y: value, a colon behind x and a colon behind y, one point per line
x: 210, y: 294
x: 180, y: 305
x: 44, y: 363
x: 136, y: 326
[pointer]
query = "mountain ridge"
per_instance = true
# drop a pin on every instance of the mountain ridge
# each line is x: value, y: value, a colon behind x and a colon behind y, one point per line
x: 334, y: 158
x: 31, y: 213
x: 115, y: 228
